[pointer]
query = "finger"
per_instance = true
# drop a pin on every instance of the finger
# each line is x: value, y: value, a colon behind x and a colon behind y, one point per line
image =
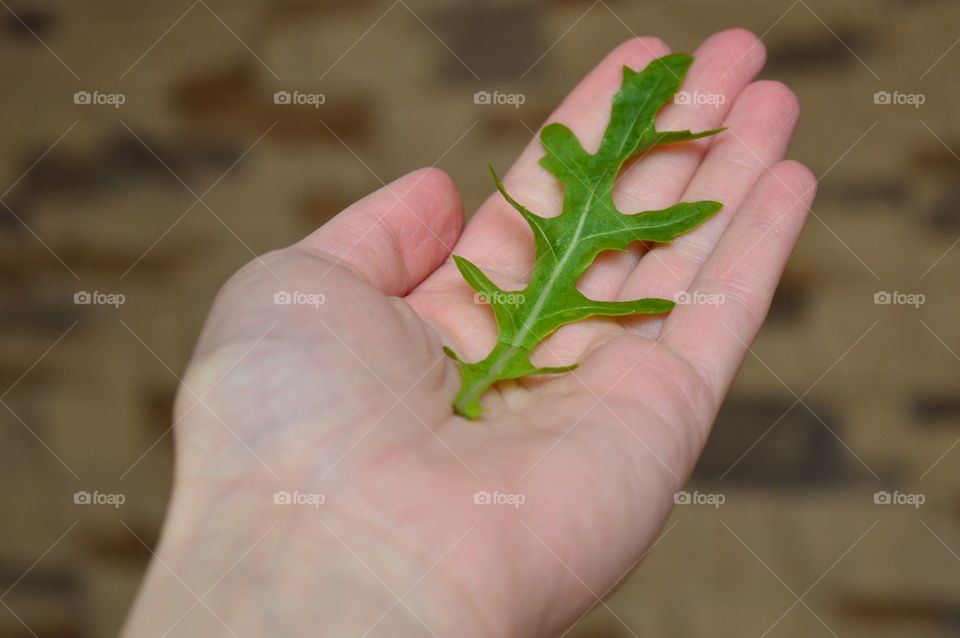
x: 723, y: 65
x: 740, y: 277
x: 586, y: 111
x: 761, y: 124
x: 398, y: 235
x: 499, y: 241
x: 497, y: 238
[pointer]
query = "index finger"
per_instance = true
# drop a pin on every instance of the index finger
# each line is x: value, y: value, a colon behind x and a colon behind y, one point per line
x: 497, y: 235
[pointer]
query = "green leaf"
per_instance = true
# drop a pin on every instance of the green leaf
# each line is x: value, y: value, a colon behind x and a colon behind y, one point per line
x: 588, y: 224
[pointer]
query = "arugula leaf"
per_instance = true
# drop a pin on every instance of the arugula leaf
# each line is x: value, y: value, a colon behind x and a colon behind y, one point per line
x: 566, y: 245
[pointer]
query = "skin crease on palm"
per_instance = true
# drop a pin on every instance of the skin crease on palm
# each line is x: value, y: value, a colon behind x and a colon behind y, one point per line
x: 351, y: 399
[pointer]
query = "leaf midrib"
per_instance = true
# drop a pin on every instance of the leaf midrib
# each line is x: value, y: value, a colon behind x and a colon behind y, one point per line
x: 573, y: 246
x: 534, y: 315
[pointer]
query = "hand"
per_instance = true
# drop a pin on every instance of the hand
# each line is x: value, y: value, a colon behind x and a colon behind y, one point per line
x: 350, y: 398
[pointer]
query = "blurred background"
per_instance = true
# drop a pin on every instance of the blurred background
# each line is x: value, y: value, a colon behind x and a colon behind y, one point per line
x: 144, y: 158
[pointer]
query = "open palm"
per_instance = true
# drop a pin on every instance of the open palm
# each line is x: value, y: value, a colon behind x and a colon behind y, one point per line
x: 518, y: 522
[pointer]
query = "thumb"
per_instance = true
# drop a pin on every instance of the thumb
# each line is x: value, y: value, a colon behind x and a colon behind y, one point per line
x: 396, y: 236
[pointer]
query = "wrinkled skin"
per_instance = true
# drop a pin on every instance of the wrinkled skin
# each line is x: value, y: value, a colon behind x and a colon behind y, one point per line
x: 351, y: 398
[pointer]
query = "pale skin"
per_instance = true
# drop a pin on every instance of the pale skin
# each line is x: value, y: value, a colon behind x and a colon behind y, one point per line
x: 351, y: 399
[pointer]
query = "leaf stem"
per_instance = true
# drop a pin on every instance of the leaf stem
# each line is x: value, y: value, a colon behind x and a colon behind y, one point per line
x: 503, y: 362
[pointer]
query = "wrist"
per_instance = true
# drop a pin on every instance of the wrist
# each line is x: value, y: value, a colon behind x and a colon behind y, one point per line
x: 243, y: 565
